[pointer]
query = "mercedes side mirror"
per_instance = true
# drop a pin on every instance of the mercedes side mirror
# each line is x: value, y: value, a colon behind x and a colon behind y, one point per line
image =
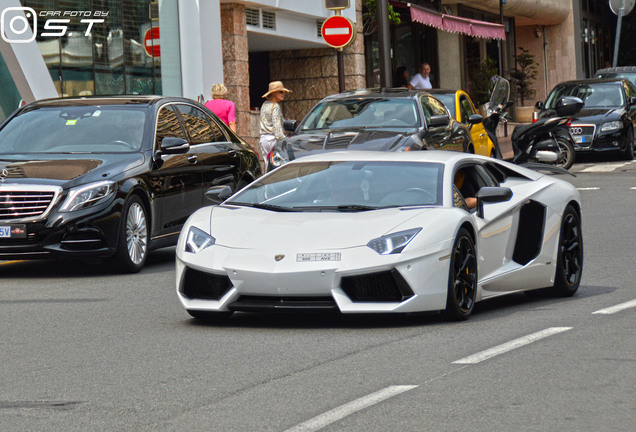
x: 491, y: 195
x: 439, y: 121
x: 174, y: 145
x: 539, y: 105
x: 632, y: 101
x: 218, y: 194
x: 290, y: 125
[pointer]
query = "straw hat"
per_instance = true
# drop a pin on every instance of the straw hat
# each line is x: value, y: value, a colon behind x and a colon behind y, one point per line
x: 275, y: 86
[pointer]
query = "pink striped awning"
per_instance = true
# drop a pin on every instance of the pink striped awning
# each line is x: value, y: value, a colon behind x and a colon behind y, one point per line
x: 454, y: 24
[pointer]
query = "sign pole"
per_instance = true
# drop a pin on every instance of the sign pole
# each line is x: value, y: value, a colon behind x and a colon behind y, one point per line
x: 340, y: 59
x: 382, y: 21
x: 617, y: 40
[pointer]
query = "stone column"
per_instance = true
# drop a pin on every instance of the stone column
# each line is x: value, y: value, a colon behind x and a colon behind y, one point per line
x: 236, y: 63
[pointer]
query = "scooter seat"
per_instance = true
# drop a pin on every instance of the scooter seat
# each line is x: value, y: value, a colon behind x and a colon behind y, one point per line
x: 521, y: 129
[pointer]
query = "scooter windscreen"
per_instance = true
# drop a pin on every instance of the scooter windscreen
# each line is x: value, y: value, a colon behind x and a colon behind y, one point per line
x: 500, y: 92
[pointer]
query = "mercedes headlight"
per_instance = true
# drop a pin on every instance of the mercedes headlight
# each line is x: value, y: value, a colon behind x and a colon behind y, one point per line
x: 611, y: 126
x: 198, y: 240
x: 393, y: 243
x: 88, y: 195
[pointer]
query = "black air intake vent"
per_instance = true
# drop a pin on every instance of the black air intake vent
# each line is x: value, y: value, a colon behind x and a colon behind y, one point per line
x: 387, y: 286
x: 205, y: 286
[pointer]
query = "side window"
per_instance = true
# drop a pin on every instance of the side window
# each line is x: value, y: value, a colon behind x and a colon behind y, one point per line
x: 168, y: 125
x: 466, y: 109
x: 198, y: 126
x: 437, y: 108
x: 426, y: 108
x: 469, y: 179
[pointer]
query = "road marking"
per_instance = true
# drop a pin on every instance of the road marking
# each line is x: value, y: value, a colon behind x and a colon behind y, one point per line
x: 343, y: 411
x: 634, y: 188
x: 588, y: 188
x: 509, y: 346
x: 605, y: 168
x: 617, y: 308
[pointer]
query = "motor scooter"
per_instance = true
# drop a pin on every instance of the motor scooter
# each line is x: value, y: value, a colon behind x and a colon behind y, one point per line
x: 547, y: 140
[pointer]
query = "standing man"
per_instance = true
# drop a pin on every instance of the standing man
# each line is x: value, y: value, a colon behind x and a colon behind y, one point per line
x: 422, y: 80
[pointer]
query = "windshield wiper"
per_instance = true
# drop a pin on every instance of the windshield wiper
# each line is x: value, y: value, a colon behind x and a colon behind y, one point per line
x: 264, y: 206
x: 342, y: 208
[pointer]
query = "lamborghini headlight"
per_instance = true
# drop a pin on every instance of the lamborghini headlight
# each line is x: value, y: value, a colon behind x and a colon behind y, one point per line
x: 198, y: 240
x: 393, y: 243
x: 88, y: 195
x: 611, y: 126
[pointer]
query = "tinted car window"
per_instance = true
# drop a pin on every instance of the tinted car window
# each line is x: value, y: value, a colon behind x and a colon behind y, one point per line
x: 376, y: 112
x: 592, y: 95
x: 448, y: 99
x: 466, y: 109
x: 199, y: 127
x: 168, y: 125
x: 432, y: 107
x: 74, y: 129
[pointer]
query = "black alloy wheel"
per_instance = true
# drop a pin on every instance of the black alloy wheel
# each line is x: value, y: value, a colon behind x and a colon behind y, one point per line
x: 132, y: 248
x: 628, y: 154
x: 567, y: 153
x: 570, y: 254
x: 462, y: 279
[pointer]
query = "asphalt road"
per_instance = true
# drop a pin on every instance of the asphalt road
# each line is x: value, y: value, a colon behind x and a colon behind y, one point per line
x: 85, y: 350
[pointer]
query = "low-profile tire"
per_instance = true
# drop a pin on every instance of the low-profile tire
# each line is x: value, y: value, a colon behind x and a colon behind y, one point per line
x: 628, y: 153
x: 462, y: 278
x: 568, y: 155
x: 570, y: 255
x: 209, y: 316
x: 132, y: 249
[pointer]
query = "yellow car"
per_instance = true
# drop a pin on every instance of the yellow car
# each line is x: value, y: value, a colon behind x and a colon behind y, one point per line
x: 461, y: 107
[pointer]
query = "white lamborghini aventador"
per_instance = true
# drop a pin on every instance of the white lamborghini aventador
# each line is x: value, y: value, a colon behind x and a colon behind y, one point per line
x: 365, y: 232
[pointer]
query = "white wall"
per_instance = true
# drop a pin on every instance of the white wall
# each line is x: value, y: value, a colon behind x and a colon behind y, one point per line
x: 200, y: 46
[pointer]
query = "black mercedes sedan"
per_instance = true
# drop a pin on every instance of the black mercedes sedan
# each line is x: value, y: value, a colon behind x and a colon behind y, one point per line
x: 372, y: 119
x: 111, y: 177
x: 606, y: 122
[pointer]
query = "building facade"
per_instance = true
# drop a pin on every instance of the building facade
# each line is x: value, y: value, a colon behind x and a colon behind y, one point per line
x: 56, y: 48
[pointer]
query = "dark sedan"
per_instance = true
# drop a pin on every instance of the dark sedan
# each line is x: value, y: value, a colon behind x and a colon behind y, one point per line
x: 388, y: 120
x: 111, y: 177
x: 607, y: 120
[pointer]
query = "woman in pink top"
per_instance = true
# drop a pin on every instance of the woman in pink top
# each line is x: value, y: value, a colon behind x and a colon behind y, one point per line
x: 223, y: 108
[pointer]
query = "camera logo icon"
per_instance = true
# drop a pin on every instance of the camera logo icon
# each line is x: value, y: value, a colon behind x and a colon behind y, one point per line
x: 16, y: 24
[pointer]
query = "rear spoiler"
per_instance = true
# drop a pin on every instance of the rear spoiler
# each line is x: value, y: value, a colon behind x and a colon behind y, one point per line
x: 545, y: 168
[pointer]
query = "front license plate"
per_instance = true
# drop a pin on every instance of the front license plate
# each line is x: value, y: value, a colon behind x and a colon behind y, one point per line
x: 579, y: 139
x: 13, y: 231
x: 309, y: 257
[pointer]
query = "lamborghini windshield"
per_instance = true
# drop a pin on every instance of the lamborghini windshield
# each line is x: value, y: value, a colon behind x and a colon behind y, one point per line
x: 74, y: 129
x: 345, y: 186
x: 362, y: 113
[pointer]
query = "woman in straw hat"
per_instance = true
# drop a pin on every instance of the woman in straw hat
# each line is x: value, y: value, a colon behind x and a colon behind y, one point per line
x: 272, y: 117
x: 222, y: 107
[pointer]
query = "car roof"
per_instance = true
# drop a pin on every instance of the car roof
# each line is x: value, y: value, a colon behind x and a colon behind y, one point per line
x: 618, y: 69
x: 593, y: 81
x: 391, y: 93
x: 439, y: 156
x: 106, y: 100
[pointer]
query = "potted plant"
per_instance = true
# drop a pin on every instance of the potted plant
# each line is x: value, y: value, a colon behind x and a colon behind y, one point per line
x: 480, y: 82
x: 523, y: 77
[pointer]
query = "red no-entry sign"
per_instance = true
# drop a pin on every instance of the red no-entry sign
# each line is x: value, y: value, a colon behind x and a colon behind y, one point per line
x: 338, y: 31
x: 151, y: 42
